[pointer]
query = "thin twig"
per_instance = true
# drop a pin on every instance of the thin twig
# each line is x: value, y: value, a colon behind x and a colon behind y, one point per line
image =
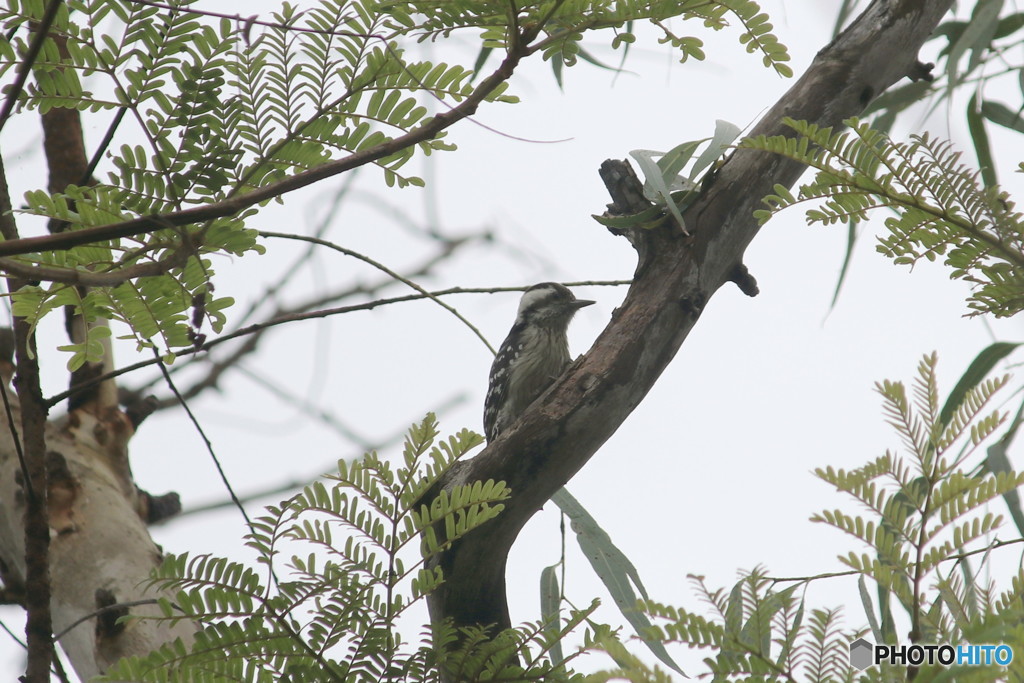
x: 104, y: 610
x: 298, y: 482
x: 13, y: 635
x: 251, y: 20
x: 13, y: 426
x: 219, y: 367
x: 102, y: 148
x: 302, y: 261
x: 56, y: 665
x: 209, y: 445
x: 307, y: 408
x: 232, y: 206
x: 384, y: 269
x: 311, y: 315
x: 854, y: 572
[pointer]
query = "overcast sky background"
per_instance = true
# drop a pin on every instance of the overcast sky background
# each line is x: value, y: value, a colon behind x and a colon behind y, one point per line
x: 712, y: 473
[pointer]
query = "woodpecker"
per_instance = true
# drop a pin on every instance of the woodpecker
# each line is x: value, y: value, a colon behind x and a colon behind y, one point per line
x: 533, y: 355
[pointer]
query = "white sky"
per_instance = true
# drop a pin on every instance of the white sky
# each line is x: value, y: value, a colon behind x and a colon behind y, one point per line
x: 712, y: 473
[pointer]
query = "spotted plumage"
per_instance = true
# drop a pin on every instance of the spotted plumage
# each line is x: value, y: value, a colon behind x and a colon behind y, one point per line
x: 533, y: 355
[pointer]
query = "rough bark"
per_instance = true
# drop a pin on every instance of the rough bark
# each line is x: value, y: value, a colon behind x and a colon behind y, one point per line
x: 35, y: 531
x: 27, y: 453
x: 676, y: 276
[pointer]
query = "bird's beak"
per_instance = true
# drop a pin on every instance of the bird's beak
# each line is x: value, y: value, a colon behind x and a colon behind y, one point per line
x: 580, y: 303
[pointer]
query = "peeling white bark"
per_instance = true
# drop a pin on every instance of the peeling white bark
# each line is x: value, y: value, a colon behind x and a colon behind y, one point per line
x: 98, y: 542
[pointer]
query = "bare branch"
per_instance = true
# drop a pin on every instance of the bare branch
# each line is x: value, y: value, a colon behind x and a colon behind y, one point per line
x: 853, y: 572
x: 369, y: 305
x: 247, y: 22
x: 217, y: 369
x: 116, y: 607
x: 384, y: 269
x: 299, y: 264
x: 307, y: 408
x: 286, y: 487
x: 206, y: 440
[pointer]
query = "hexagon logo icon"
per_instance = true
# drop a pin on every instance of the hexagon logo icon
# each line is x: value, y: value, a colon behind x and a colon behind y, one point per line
x: 860, y: 654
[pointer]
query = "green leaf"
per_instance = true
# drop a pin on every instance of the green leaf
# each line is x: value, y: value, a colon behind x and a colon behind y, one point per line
x: 845, y: 10
x: 757, y: 631
x: 1010, y: 25
x: 613, y: 568
x: 662, y: 182
x: 976, y: 126
x: 997, y: 461
x: 550, y: 608
x: 899, y: 98
x: 673, y: 161
x: 791, y: 637
x: 481, y: 59
x: 655, y: 186
x: 851, y: 241
x: 869, y: 609
x: 979, y: 368
x: 976, y: 37
x: 648, y: 218
x: 1000, y: 114
x: 725, y: 134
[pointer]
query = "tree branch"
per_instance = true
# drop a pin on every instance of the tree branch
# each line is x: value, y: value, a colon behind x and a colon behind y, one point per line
x: 39, y: 623
x: 387, y: 271
x: 311, y: 315
x: 675, y: 276
x: 853, y: 572
x: 233, y: 205
x: 87, y: 278
x: 217, y: 368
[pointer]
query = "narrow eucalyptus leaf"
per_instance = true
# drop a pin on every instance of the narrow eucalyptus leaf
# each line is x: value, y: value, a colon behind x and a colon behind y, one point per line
x: 998, y: 462
x: 979, y: 136
x: 851, y: 241
x: 550, y: 612
x: 869, y: 609
x: 613, y: 568
x: 725, y: 134
x: 979, y: 368
x: 645, y: 219
x: 1000, y: 114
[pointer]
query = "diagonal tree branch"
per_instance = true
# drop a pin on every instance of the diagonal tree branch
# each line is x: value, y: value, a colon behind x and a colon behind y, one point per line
x: 675, y: 277
x: 233, y: 205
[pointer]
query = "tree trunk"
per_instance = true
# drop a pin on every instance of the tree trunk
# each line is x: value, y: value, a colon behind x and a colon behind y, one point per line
x: 67, y: 496
x: 100, y: 549
x: 675, y: 277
